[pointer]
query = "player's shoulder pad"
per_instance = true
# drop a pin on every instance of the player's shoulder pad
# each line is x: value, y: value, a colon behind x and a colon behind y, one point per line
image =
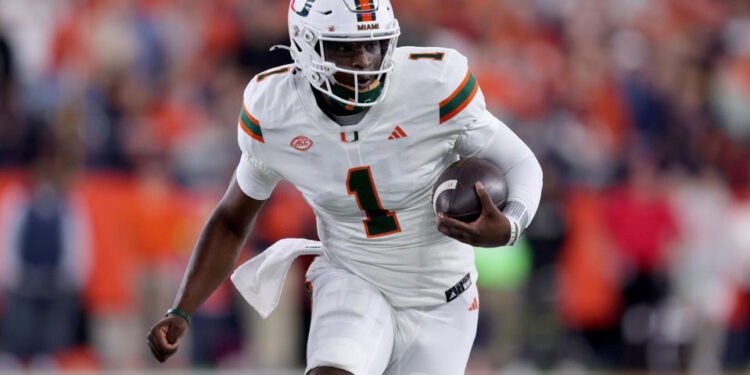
x: 442, y: 72
x: 458, y: 87
x: 261, y: 101
x: 436, y: 65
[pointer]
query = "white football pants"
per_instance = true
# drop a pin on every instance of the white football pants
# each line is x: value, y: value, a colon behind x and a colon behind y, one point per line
x: 354, y: 328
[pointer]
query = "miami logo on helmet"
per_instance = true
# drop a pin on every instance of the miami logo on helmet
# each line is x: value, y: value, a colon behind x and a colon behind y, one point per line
x: 305, y: 9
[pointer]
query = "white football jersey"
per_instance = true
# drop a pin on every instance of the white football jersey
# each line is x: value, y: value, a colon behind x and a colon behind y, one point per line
x: 370, y: 184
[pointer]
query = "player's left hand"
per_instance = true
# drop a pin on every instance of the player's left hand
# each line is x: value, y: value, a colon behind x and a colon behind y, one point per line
x: 491, y: 229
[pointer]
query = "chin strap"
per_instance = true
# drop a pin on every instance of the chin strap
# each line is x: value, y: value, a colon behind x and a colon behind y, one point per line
x: 367, y: 95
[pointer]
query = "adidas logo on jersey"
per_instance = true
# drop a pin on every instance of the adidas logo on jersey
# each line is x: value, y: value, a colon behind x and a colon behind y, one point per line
x: 397, y: 133
x: 474, y: 305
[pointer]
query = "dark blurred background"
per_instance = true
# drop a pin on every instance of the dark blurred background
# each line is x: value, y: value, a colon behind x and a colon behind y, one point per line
x: 118, y: 136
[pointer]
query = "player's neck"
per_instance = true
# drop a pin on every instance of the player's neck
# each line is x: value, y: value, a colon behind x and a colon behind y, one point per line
x: 337, y: 112
x: 336, y: 108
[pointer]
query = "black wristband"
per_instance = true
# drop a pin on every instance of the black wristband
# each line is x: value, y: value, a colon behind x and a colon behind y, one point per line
x: 179, y: 312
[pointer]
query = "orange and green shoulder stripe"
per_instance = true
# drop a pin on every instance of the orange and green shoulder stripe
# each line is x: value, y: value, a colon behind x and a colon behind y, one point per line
x: 271, y: 72
x: 459, y: 99
x: 250, y: 125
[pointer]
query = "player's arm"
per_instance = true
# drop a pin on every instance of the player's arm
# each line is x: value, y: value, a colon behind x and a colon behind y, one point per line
x: 223, y: 235
x: 523, y: 175
x: 213, y: 259
x: 483, y: 135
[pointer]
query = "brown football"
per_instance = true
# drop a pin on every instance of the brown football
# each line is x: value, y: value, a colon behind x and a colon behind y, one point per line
x: 454, y: 194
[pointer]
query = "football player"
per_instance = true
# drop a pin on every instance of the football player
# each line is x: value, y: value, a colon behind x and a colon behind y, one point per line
x: 363, y: 129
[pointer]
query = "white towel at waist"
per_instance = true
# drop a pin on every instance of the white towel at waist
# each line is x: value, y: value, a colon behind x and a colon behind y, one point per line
x: 260, y: 279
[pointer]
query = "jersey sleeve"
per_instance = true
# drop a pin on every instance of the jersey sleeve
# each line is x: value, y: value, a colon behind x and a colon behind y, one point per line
x: 482, y: 134
x: 462, y: 105
x: 256, y: 179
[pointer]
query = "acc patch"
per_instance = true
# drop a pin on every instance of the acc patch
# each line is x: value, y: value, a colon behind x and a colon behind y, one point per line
x: 301, y: 143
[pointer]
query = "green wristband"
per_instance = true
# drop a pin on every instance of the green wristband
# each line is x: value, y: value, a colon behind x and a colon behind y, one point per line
x: 179, y: 312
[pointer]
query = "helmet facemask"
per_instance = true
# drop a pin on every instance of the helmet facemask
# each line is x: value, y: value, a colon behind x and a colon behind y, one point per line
x: 347, y: 85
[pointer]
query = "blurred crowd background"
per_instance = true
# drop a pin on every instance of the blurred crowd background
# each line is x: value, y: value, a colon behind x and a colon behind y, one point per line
x: 118, y: 136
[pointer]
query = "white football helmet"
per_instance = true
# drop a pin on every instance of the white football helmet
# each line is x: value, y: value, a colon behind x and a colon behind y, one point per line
x: 315, y: 22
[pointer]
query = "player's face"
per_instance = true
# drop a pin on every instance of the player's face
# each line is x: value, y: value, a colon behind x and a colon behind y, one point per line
x: 357, y: 56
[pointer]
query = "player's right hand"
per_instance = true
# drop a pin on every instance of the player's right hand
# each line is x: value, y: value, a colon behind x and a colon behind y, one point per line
x: 163, y: 338
x: 491, y: 229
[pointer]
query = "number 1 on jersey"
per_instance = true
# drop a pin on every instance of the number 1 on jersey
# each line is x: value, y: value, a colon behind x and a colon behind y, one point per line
x: 379, y: 222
